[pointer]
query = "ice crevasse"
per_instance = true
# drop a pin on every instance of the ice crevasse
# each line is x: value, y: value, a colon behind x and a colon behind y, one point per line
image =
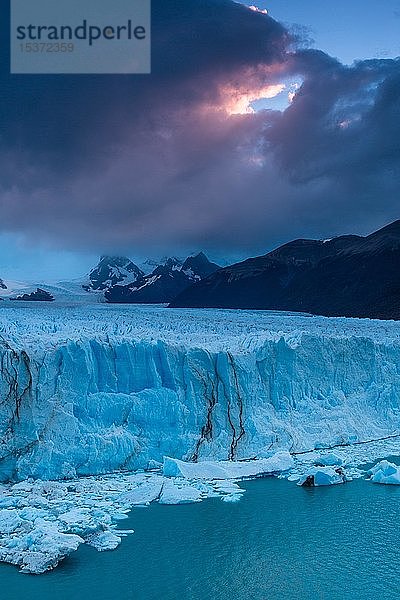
x: 115, y: 388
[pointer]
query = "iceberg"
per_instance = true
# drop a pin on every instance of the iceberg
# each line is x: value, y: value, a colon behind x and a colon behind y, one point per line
x: 281, y: 461
x: 386, y: 473
x: 95, y: 389
x: 318, y: 476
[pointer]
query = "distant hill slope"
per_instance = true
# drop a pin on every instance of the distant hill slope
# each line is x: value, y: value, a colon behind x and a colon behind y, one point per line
x: 64, y: 291
x: 347, y: 276
x: 164, y: 283
x: 38, y: 295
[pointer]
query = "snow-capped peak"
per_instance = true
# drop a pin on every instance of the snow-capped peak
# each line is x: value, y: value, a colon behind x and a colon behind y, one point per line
x: 113, y: 270
x: 168, y: 279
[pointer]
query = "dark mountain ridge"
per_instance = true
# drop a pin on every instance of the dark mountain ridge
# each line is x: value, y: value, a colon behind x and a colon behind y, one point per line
x: 38, y: 295
x: 349, y: 276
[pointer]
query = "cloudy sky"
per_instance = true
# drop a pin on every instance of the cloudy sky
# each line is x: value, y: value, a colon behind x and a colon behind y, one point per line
x: 252, y: 129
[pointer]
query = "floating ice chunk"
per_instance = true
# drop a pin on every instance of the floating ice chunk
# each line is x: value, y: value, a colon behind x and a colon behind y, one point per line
x: 386, y: 473
x: 104, y: 540
x: 281, y: 461
x: 231, y: 498
x: 329, y: 460
x: 40, y: 549
x: 143, y: 494
x: 45, y: 521
x: 317, y: 476
x: 37, y: 562
x: 228, y: 487
x: 81, y: 521
x: 176, y: 493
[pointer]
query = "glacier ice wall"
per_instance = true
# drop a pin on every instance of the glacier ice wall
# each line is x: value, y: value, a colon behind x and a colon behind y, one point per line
x: 96, y: 405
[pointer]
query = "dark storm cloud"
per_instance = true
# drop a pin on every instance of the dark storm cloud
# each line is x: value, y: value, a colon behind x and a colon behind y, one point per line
x: 340, y: 115
x: 341, y: 131
x: 194, y: 43
x: 113, y: 162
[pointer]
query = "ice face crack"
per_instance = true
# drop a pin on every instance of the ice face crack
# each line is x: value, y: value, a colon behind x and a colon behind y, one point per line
x: 210, y: 388
x: 236, y: 438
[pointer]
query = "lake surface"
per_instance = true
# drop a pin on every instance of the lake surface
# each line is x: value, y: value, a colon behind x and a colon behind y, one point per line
x: 279, y: 542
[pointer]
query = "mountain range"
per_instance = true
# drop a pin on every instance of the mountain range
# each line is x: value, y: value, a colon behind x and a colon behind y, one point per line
x: 350, y: 276
x: 164, y: 283
x: 118, y: 279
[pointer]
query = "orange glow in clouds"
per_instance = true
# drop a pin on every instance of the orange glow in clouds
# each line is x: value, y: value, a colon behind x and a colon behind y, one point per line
x: 238, y: 102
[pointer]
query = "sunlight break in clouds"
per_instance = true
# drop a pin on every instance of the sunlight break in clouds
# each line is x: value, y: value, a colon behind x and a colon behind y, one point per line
x: 238, y: 102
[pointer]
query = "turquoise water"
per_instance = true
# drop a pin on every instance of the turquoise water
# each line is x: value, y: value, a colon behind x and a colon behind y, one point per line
x: 279, y: 542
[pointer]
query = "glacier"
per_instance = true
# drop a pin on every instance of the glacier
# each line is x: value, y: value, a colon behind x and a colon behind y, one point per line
x: 89, y: 390
x: 107, y: 408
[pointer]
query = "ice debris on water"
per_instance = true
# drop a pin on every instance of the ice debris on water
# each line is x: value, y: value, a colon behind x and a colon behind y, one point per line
x: 42, y: 522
